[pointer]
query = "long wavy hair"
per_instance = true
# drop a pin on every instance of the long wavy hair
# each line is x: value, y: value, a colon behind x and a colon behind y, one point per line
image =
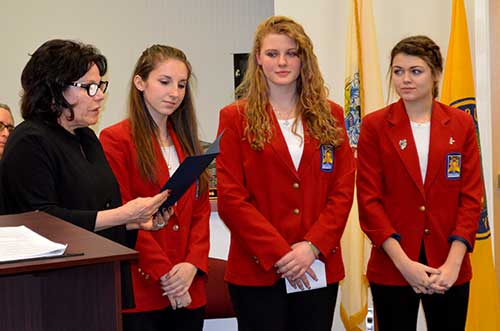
x: 253, y: 92
x: 143, y: 126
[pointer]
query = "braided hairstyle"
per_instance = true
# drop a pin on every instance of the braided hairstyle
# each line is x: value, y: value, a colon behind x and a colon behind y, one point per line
x: 424, y: 48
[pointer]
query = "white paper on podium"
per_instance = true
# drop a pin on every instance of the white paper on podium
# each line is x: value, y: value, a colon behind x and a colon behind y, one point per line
x: 20, y: 243
x: 319, y: 269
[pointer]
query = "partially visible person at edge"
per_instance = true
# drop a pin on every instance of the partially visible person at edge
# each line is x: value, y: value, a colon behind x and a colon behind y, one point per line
x: 144, y: 152
x: 6, y: 126
x: 420, y: 212
x: 55, y: 163
x: 285, y: 179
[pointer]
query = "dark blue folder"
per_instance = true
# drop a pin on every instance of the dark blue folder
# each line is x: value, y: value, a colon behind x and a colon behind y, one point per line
x: 189, y: 170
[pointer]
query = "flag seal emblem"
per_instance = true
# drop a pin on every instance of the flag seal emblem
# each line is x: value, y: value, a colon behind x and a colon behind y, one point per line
x: 453, y: 166
x: 327, y: 155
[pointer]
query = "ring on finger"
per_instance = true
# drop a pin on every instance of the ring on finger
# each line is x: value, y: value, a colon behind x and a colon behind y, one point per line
x: 157, y: 224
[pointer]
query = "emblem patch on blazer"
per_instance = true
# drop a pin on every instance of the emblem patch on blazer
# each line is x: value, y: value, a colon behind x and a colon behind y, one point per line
x: 327, y: 156
x: 453, y: 165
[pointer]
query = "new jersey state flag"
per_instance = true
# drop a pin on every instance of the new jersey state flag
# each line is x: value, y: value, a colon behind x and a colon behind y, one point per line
x: 458, y: 91
x: 363, y: 94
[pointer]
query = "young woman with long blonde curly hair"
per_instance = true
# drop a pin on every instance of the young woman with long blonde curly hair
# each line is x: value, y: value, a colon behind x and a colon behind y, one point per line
x: 285, y: 185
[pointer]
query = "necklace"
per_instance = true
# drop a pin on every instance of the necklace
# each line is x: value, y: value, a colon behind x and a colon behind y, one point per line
x: 170, y: 161
x: 168, y: 149
x: 284, y: 117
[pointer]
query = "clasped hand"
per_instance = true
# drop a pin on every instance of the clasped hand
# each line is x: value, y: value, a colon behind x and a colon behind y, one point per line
x: 426, y: 280
x: 176, y: 283
x: 179, y: 301
x: 295, y: 264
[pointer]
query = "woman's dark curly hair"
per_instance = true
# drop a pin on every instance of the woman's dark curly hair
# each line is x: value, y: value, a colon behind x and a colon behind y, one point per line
x: 51, y: 68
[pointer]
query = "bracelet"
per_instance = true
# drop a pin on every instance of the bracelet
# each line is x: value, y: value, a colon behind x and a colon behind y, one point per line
x: 313, y: 248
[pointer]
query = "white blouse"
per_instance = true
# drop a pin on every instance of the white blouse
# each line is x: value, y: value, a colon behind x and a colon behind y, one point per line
x: 170, y: 156
x: 422, y: 136
x: 294, y: 141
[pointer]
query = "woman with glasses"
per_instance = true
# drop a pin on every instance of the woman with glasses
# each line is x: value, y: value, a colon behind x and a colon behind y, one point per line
x: 6, y: 126
x: 54, y: 161
x: 145, y: 150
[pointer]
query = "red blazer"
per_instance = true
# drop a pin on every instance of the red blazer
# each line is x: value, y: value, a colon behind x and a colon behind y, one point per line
x: 393, y: 200
x: 268, y: 205
x: 184, y: 239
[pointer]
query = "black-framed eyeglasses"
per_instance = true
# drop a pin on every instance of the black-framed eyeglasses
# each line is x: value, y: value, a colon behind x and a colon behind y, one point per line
x: 9, y: 127
x: 93, y: 87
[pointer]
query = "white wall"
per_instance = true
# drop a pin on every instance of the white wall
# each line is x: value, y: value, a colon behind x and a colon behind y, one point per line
x: 208, y: 31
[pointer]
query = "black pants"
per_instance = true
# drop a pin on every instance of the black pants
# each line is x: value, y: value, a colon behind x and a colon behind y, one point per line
x: 166, y: 319
x: 261, y: 308
x: 396, y: 308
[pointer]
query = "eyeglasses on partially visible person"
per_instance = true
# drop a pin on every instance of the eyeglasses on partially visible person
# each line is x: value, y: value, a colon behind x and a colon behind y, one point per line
x: 92, y: 88
x: 7, y: 126
x: 6, y: 122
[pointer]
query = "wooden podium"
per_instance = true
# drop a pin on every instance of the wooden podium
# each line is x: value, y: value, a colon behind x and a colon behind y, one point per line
x: 65, y: 293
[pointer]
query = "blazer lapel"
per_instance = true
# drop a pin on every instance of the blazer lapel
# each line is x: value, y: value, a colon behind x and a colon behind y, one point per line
x: 310, y: 146
x: 180, y: 154
x: 162, y: 172
x: 439, y: 142
x: 402, y: 140
x: 278, y: 144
